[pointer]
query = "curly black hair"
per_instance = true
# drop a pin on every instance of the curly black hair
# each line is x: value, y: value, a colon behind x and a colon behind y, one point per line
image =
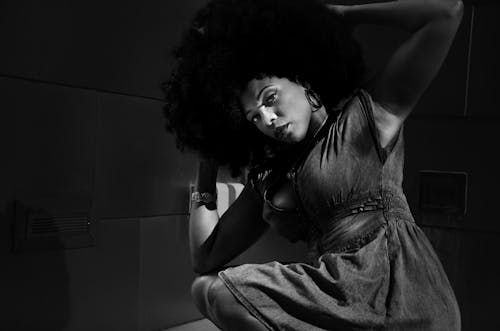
x: 229, y: 43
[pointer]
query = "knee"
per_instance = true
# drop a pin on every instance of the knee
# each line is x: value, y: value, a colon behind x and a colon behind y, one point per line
x: 212, y: 298
x: 218, y: 304
x: 215, y: 293
x: 222, y: 305
x: 200, y: 292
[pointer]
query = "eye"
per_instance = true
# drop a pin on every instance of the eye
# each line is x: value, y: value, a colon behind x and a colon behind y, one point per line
x: 270, y: 99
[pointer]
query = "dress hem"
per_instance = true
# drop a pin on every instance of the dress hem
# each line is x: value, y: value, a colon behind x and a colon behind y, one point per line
x: 241, y: 298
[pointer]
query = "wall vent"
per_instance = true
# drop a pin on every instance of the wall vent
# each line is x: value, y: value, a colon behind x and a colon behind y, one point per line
x: 43, y: 227
x: 37, y: 228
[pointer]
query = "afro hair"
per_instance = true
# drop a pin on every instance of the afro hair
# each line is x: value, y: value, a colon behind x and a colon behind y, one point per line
x: 229, y: 43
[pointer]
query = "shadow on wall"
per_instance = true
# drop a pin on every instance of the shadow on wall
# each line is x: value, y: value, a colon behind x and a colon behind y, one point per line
x: 34, y: 290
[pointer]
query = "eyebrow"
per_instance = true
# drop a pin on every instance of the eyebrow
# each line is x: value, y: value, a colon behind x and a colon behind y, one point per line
x: 257, y: 98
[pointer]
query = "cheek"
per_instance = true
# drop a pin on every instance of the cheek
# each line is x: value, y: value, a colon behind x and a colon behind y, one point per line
x: 302, y: 121
x: 303, y: 115
x: 296, y: 106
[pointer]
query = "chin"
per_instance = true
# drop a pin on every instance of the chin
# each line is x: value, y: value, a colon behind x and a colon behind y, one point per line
x: 297, y: 137
x: 292, y: 139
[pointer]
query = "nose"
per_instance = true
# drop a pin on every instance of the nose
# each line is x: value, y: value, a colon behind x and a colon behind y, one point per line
x: 268, y: 117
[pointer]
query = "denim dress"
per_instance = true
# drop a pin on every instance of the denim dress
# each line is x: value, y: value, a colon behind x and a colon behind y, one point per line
x: 371, y: 267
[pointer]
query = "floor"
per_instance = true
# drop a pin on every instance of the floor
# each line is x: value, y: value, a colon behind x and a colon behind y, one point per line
x: 199, y: 325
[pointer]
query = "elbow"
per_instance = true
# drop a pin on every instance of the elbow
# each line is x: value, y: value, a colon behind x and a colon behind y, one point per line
x: 454, y: 15
x: 453, y: 9
x: 445, y: 9
x: 447, y: 15
x: 457, y: 9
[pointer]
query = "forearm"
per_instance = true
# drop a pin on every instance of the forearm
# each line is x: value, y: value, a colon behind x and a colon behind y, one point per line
x: 410, y: 15
x: 203, y: 220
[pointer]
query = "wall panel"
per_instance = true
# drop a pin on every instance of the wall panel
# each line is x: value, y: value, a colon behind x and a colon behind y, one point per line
x: 119, y: 46
x: 462, y: 145
x: 82, y: 289
x: 52, y: 144
x: 139, y: 171
x: 485, y: 67
x: 165, y: 273
x: 468, y: 260
x: 104, y: 280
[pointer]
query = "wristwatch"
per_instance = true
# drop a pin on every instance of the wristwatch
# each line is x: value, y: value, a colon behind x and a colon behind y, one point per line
x: 203, y: 197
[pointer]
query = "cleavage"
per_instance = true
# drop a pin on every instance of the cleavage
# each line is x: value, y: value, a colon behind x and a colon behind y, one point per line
x: 283, y: 195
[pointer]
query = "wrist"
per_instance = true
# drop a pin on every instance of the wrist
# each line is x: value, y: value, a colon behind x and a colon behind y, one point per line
x: 206, y: 199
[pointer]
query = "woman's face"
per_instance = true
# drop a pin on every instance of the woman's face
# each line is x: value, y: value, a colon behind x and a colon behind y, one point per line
x: 278, y: 108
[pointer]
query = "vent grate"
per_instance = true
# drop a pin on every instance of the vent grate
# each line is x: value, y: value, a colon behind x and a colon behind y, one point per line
x: 47, y: 227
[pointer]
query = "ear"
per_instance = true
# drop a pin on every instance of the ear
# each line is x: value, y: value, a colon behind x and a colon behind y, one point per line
x: 313, y: 99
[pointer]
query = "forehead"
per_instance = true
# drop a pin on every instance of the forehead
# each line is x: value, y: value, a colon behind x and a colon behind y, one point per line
x: 255, y: 85
x: 252, y: 89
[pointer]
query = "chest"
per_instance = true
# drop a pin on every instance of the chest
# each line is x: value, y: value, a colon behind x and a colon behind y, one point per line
x: 282, y: 195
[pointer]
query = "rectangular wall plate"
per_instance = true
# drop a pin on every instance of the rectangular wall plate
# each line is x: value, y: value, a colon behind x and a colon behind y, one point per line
x: 443, y: 192
x: 38, y: 229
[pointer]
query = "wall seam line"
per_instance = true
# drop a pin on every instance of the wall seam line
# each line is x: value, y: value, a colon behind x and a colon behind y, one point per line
x: 469, y: 54
x: 41, y: 81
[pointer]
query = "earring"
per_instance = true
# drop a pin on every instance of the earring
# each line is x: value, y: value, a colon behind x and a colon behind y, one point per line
x: 313, y: 99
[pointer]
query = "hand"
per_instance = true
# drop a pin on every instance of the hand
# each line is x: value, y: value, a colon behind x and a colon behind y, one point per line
x: 208, y: 163
x: 207, y: 175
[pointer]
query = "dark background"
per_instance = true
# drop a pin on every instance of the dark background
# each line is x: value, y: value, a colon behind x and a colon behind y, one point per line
x: 82, y: 134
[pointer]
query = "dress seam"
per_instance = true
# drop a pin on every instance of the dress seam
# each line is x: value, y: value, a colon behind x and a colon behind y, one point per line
x: 358, y: 242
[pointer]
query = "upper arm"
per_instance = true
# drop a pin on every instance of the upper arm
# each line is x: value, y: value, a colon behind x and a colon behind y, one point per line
x: 238, y: 228
x: 410, y: 70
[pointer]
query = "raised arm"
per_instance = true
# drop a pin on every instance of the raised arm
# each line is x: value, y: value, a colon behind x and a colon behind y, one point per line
x: 215, y: 241
x: 412, y: 67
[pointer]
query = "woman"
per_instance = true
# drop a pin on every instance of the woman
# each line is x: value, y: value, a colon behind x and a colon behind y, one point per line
x: 280, y: 86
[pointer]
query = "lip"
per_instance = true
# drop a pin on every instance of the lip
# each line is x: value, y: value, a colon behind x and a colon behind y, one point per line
x: 281, y: 131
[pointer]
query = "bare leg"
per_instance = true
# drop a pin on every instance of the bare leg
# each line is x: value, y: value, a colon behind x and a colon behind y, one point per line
x: 218, y: 304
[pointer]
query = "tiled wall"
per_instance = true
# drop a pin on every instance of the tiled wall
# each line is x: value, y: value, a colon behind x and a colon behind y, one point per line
x: 76, y: 150
x: 81, y: 130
